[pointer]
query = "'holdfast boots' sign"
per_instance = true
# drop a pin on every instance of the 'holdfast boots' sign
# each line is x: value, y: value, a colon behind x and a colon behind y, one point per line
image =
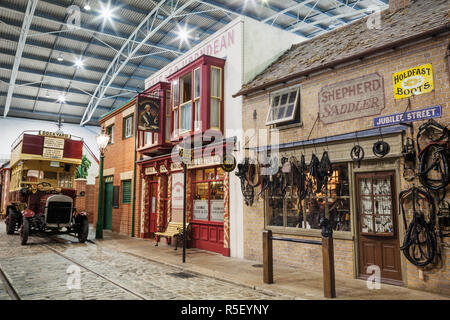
x: 351, y: 99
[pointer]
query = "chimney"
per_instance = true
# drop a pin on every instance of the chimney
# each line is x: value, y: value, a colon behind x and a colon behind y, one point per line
x: 395, y: 5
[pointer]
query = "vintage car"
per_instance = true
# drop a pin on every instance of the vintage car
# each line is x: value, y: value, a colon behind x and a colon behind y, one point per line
x: 42, y: 193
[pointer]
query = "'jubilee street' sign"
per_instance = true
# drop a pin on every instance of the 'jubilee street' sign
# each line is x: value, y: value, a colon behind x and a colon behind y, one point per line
x: 410, y: 116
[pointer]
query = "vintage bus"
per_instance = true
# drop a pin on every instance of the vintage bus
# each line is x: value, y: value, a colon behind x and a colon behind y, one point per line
x: 42, y: 185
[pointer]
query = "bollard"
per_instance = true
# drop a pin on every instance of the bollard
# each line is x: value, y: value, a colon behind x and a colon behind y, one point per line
x: 329, y: 286
x: 267, y: 256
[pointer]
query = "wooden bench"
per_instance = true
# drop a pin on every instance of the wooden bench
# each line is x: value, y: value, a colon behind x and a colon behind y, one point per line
x: 173, y: 230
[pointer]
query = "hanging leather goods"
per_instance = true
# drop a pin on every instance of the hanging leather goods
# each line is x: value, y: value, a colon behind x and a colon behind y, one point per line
x: 409, y: 160
x: 434, y: 131
x: 357, y: 152
x: 247, y: 190
x: 419, y: 244
x: 381, y: 148
x: 444, y: 218
x: 433, y: 166
x: 254, y: 174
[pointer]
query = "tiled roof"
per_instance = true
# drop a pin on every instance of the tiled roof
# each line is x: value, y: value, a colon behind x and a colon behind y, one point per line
x: 353, y: 40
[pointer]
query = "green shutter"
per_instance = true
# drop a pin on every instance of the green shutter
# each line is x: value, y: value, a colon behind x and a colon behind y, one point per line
x: 126, y: 191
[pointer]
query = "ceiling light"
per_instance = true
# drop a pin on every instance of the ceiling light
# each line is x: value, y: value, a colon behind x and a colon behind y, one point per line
x: 79, y: 63
x: 47, y: 94
x: 87, y: 6
x: 60, y: 57
x: 106, y: 12
x: 183, y: 34
x: 62, y: 98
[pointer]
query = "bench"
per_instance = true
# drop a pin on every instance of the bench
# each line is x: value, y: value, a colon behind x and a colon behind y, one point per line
x: 173, y: 230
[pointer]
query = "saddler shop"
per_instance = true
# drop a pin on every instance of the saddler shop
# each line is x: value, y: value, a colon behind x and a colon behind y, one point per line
x: 200, y: 108
x: 355, y: 121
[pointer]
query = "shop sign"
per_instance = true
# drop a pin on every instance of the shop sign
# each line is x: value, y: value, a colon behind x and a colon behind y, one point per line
x: 204, y: 161
x: 150, y: 170
x: 410, y: 116
x: 217, y: 210
x: 201, y: 209
x: 228, y: 163
x: 52, y: 153
x: 176, y: 166
x: 351, y: 99
x: 54, y: 134
x: 163, y: 169
x: 177, y: 191
x: 414, y: 81
x: 55, y: 143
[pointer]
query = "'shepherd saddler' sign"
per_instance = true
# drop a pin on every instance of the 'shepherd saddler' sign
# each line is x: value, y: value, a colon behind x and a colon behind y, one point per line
x: 351, y: 99
x: 414, y: 81
x: 410, y: 116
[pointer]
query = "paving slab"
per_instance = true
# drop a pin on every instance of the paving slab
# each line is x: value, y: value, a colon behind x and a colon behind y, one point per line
x: 289, y: 281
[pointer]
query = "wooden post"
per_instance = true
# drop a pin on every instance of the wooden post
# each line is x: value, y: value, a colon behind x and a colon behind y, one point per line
x: 267, y: 256
x: 329, y: 287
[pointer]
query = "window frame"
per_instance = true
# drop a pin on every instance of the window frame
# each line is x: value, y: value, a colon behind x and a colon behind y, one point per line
x: 131, y: 116
x: 110, y: 132
x: 344, y: 235
x: 205, y: 180
x: 122, y: 191
x: 211, y: 97
x: 280, y: 93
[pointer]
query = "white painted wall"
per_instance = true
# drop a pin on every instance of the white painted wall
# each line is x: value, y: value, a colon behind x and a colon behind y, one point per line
x: 248, y: 47
x: 11, y: 128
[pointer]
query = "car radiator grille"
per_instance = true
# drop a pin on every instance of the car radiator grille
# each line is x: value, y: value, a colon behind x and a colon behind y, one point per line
x: 59, y: 212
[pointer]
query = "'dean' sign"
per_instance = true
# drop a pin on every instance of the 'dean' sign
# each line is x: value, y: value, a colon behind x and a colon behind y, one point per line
x: 414, y: 81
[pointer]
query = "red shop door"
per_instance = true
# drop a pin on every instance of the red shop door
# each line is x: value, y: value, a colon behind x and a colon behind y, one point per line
x: 207, y: 227
x: 152, y: 207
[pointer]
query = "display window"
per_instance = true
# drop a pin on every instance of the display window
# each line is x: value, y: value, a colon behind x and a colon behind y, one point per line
x: 287, y: 211
x: 208, y: 195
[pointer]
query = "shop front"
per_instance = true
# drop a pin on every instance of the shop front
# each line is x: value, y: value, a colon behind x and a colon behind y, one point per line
x: 372, y: 112
x: 206, y: 200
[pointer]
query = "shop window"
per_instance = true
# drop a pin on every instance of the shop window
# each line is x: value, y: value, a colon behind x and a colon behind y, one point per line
x: 216, y: 97
x: 126, y: 191
x: 287, y: 211
x: 110, y: 133
x: 283, y: 106
x: 208, y: 202
x: 128, y: 127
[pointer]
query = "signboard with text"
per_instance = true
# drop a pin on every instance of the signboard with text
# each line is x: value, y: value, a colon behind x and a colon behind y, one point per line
x: 414, y: 81
x: 352, y: 99
x: 410, y: 116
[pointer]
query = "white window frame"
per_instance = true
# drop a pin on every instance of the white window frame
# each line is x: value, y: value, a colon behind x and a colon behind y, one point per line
x: 280, y: 93
x: 128, y: 130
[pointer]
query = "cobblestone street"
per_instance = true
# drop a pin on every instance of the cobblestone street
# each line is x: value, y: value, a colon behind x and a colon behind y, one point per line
x: 41, y: 270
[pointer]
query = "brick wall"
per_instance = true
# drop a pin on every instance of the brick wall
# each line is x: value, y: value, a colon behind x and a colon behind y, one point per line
x: 309, y: 257
x: 119, y: 162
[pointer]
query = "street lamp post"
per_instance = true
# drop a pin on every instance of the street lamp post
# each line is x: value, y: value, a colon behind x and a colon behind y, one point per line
x: 102, y: 141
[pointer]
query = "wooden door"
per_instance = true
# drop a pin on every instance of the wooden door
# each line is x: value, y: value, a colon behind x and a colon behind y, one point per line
x: 107, y: 218
x: 152, y: 207
x: 378, y: 239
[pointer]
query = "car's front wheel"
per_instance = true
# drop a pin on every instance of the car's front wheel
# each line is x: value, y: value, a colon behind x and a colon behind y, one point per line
x: 24, y: 231
x: 84, y: 230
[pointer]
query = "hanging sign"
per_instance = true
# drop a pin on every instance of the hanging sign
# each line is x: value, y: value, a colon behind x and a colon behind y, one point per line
x: 410, y: 116
x: 228, y: 163
x: 352, y: 99
x: 149, y: 110
x: 54, y: 143
x: 414, y: 81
